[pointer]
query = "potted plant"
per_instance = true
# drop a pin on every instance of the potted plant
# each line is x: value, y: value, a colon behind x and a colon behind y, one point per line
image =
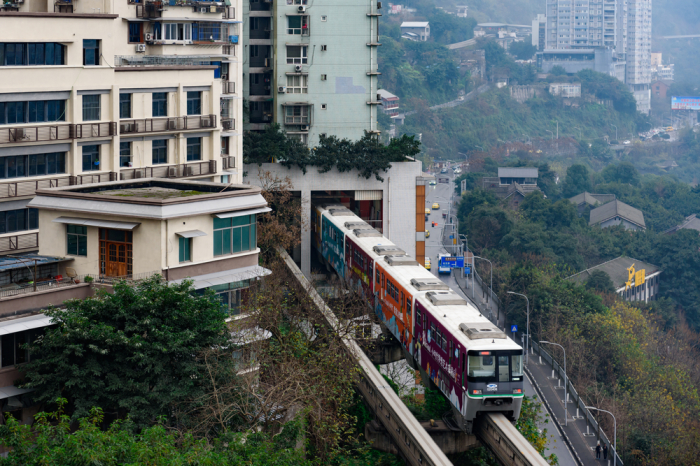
x: 89, y: 279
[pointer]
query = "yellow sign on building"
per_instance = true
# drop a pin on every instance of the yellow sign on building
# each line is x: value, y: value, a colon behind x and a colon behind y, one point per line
x: 640, y: 277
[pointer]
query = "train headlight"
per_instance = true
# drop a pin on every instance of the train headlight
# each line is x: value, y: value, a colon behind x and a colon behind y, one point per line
x: 517, y: 391
x: 476, y: 392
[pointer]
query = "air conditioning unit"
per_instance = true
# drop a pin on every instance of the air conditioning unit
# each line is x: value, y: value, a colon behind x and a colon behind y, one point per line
x: 126, y: 128
x: 224, y: 77
x: 172, y: 125
x: 304, y: 127
x: 301, y: 9
x: 206, y: 123
x: 281, y: 90
x: 172, y: 172
x: 187, y: 171
x: 141, y: 48
x: 138, y: 174
x: 298, y: 68
x: 149, y: 37
x: 19, y: 134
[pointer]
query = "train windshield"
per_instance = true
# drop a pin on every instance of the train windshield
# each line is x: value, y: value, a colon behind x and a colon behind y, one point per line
x: 495, y: 366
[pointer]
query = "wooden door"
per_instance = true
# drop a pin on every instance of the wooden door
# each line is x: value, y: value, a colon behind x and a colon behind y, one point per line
x: 116, y: 260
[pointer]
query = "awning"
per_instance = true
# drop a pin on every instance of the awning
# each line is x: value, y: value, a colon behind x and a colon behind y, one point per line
x: 191, y: 233
x: 23, y: 261
x: 241, y: 213
x: 97, y: 223
x: 11, y: 390
x: 227, y: 276
x: 24, y: 323
x: 308, y: 104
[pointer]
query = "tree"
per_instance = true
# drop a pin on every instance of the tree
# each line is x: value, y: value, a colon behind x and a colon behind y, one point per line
x: 600, y: 281
x: 577, y: 180
x: 523, y: 50
x: 558, y: 70
x: 130, y: 352
x: 624, y: 172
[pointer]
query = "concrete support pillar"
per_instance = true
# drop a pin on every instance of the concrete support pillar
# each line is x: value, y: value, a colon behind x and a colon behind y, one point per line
x: 306, y: 233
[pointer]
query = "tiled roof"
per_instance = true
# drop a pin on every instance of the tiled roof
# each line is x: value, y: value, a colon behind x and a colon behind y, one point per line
x: 617, y: 209
x: 592, y: 199
x: 517, y: 172
x: 691, y: 223
x: 617, y: 270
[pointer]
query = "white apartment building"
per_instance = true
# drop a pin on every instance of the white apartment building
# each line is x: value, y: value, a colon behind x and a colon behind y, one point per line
x: 639, y: 52
x: 97, y: 90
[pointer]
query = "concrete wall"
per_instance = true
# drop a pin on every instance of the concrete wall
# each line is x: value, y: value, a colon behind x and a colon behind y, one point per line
x: 398, y: 195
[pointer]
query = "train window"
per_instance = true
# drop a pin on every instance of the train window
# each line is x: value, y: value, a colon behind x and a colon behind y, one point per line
x: 464, y: 359
x: 379, y: 280
x: 516, y: 366
x: 481, y: 366
x: 424, y: 317
x: 450, y: 352
x: 418, y: 317
x: 408, y: 306
x: 503, y: 375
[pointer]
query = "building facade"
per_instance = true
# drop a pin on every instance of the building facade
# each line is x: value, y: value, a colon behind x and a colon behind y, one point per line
x: 99, y: 91
x: 416, y: 30
x: 616, y: 213
x: 390, y: 102
x: 311, y: 68
x: 539, y: 32
x: 638, y: 52
x: 632, y: 279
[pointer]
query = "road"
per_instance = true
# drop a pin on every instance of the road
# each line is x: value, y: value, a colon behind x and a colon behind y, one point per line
x: 443, y: 194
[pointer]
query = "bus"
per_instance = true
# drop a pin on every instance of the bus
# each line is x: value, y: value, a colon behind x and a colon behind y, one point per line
x: 441, y: 267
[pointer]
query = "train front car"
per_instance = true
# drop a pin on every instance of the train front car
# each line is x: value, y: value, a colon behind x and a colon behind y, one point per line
x: 473, y: 363
x: 333, y: 236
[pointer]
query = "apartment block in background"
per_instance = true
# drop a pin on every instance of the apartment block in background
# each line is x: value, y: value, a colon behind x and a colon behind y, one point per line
x: 311, y: 67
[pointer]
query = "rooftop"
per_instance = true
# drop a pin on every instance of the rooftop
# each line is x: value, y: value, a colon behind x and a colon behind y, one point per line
x: 519, y: 172
x: 691, y: 223
x: 386, y: 94
x: 151, y: 192
x: 617, y: 209
x: 617, y: 269
x: 592, y: 199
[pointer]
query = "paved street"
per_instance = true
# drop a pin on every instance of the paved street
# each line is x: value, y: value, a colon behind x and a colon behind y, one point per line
x: 443, y: 194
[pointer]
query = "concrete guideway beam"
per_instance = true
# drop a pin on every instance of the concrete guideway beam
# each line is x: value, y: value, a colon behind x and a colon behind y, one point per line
x: 503, y: 439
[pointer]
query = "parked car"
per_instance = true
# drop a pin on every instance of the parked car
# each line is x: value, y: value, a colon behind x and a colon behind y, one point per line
x: 436, y: 205
x: 427, y: 233
x: 433, y: 182
x: 427, y: 263
x: 628, y: 142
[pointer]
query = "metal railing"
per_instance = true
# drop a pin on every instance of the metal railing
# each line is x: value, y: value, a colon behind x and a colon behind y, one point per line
x: 170, y: 171
x: 157, y: 125
x: 229, y: 49
x: 160, y: 60
x: 18, y: 188
x: 228, y: 162
x: 93, y: 178
x: 60, y: 132
x: 150, y: 10
x: 95, y: 130
x: 19, y: 242
x: 576, y: 399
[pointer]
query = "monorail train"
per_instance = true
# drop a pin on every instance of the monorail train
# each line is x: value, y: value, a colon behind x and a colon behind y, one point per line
x: 475, y: 365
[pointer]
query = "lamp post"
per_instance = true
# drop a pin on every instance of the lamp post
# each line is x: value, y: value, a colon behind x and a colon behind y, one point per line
x: 482, y: 149
x: 527, y: 330
x: 615, y: 131
x: 488, y: 296
x: 566, y: 381
x: 615, y: 436
x: 550, y: 132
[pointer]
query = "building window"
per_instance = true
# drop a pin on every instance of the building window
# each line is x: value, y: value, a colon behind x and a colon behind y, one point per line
x: 13, y: 353
x: 185, y: 249
x: 296, y: 54
x: 91, y: 107
x: 178, y: 32
x: 159, y: 152
x: 298, y: 25
x: 324, y: 18
x: 160, y: 104
x: 91, y: 158
x: 298, y: 84
x: 135, y: 32
x: 91, y: 52
x: 34, y: 54
x: 18, y: 166
x: 19, y: 220
x: 38, y: 111
x: 232, y: 295
x: 194, y: 103
x: 124, y: 154
x: 77, y: 240
x: 324, y: 77
x: 324, y: 48
x: 194, y: 149
x: 324, y: 106
x: 296, y: 115
x: 236, y: 234
x: 124, y: 106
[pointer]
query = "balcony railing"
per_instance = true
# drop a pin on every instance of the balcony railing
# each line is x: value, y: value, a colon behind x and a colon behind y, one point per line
x: 228, y: 124
x: 228, y: 87
x: 170, y: 171
x: 229, y: 49
x: 156, y: 125
x: 19, y: 242
x: 94, y: 178
x: 228, y: 162
x: 37, y: 133
x: 230, y: 12
x: 95, y: 130
x: 18, y: 188
x: 150, y: 10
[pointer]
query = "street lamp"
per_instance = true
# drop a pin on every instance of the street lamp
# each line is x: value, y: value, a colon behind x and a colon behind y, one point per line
x: 482, y: 149
x: 566, y: 381
x: 615, y: 131
x: 527, y: 330
x: 615, y: 424
x: 550, y: 132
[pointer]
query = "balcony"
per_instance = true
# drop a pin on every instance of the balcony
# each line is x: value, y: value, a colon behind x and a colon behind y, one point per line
x: 158, y: 125
x: 151, y: 10
x: 207, y: 167
x: 19, y: 242
x: 230, y: 49
x: 94, y: 178
x: 44, y: 133
x: 19, y: 188
x: 95, y: 130
x: 228, y: 162
x: 63, y: 6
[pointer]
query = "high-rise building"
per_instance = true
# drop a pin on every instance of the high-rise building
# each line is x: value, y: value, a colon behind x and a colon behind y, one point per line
x: 98, y: 91
x: 639, y: 52
x: 539, y: 32
x: 311, y: 67
x: 623, y: 26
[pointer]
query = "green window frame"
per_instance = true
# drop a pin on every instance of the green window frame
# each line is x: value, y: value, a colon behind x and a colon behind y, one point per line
x: 185, y: 247
x: 234, y: 235
x: 76, y: 238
